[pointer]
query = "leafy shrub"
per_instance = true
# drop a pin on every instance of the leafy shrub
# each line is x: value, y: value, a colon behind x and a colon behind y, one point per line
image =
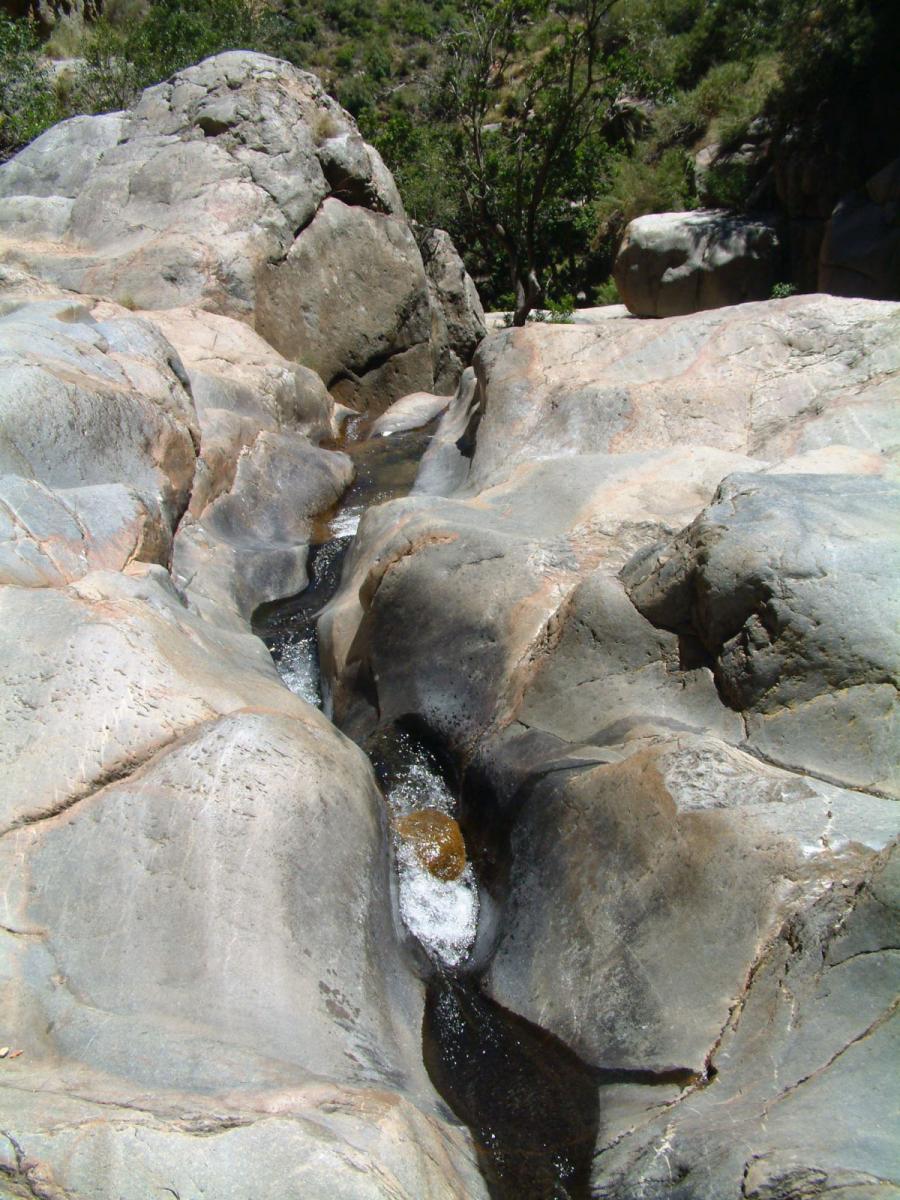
x: 727, y: 185
x: 28, y: 103
x: 607, y: 293
x: 639, y: 187
x: 781, y: 291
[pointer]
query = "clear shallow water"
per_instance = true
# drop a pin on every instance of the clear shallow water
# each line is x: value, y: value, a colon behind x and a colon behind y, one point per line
x: 385, y: 469
x: 530, y: 1103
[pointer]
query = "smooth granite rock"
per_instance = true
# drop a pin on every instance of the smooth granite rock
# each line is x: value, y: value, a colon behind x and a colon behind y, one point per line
x: 240, y: 187
x: 674, y: 263
x: 675, y: 749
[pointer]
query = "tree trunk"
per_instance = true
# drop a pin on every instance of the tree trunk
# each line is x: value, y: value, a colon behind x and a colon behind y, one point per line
x: 529, y: 294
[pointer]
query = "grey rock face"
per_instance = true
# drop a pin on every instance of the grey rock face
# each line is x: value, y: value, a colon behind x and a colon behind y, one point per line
x: 197, y: 947
x: 349, y: 260
x: 456, y: 309
x: 791, y: 377
x: 860, y: 254
x: 789, y: 584
x: 240, y: 187
x: 674, y: 263
x: 678, y: 745
x: 97, y: 441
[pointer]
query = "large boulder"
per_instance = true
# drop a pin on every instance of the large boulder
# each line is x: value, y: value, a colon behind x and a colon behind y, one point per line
x: 775, y: 380
x: 675, y: 748
x: 456, y: 309
x: 98, y: 438
x: 860, y: 254
x: 240, y: 187
x: 674, y: 263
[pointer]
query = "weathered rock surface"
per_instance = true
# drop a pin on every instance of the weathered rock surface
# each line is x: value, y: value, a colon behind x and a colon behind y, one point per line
x: 240, y: 187
x: 458, y: 317
x: 674, y: 263
x: 409, y: 412
x: 789, y: 585
x: 200, y: 980
x: 98, y: 435
x: 772, y: 380
x: 677, y: 746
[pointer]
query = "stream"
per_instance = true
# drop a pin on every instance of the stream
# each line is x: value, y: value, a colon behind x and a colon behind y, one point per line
x: 529, y: 1102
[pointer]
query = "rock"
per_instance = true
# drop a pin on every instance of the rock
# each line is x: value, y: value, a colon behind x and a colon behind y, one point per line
x: 308, y: 1140
x: 455, y: 306
x: 769, y: 380
x: 445, y: 463
x: 50, y: 537
x: 497, y: 573
x: 348, y: 260
x: 673, y: 746
x: 436, y: 841
x: 860, y: 254
x: 674, y: 263
x: 212, y: 817
x: 808, y: 1038
x: 114, y: 492
x: 786, y: 582
x: 249, y: 545
x: 409, y: 412
x: 240, y: 187
x: 217, y: 982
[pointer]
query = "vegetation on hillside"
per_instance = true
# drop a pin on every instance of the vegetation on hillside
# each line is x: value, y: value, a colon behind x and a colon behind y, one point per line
x: 471, y: 104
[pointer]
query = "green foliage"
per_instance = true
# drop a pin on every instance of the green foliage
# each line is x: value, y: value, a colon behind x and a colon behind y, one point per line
x: 607, y: 293
x: 28, y: 103
x: 781, y: 291
x: 637, y: 187
x: 123, y: 58
x: 427, y: 79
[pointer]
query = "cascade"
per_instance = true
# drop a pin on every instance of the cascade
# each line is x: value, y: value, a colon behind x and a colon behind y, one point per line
x: 529, y: 1101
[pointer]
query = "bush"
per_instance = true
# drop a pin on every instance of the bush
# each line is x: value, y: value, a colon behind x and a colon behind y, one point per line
x: 28, y: 103
x: 639, y: 187
x: 122, y: 59
x: 607, y: 293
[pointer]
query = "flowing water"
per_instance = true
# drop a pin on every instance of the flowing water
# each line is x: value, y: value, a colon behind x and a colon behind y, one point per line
x: 530, y: 1103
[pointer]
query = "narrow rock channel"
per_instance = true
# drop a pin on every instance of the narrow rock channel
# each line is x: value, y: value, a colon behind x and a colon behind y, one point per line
x: 530, y: 1103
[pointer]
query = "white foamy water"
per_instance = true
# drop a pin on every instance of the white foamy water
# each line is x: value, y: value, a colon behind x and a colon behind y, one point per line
x: 346, y: 522
x: 420, y: 786
x: 298, y: 666
x: 441, y: 914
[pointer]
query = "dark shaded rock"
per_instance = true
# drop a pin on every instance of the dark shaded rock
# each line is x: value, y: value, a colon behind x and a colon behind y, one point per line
x: 674, y: 263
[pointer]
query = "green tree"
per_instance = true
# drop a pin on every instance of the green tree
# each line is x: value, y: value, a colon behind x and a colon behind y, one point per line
x: 530, y: 85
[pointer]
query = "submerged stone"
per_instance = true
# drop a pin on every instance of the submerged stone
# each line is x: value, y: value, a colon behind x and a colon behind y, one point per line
x: 436, y: 840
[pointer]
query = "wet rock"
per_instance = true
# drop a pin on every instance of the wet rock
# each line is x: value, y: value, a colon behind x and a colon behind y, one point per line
x: 674, y: 263
x: 436, y: 841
